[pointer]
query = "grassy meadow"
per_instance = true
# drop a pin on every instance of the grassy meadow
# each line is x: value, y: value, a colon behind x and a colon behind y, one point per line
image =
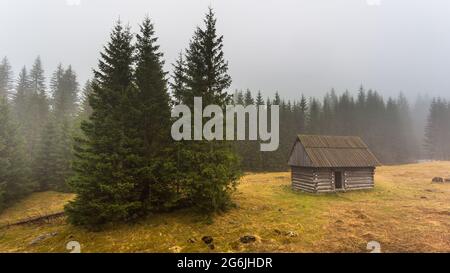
x: 404, y: 213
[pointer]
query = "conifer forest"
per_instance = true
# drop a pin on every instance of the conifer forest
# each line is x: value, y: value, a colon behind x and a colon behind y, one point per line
x: 107, y: 141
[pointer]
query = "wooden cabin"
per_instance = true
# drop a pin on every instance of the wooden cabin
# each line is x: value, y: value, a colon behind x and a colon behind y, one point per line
x: 322, y: 164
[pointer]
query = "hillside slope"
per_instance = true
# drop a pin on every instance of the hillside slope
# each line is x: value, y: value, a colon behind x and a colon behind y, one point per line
x: 404, y: 213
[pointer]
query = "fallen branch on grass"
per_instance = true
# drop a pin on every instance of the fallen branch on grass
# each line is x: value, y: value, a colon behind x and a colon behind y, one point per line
x: 35, y: 219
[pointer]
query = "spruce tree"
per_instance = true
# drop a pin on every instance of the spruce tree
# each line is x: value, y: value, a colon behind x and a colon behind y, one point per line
x: 279, y: 156
x: 85, y: 110
x: 267, y: 162
x: 178, y: 85
x: 391, y: 124
x: 55, y: 82
x: 260, y: 159
x: 419, y: 114
x: 407, y: 146
x: 345, y: 117
x: 431, y: 131
x: 238, y: 97
x: 64, y: 155
x: 104, y: 173
x: 327, y: 116
x: 152, y: 121
x: 37, y: 78
x: 44, y: 165
x: 437, y: 131
x: 206, y: 69
x: 375, y: 122
x: 21, y: 99
x: 303, y: 107
x: 51, y: 166
x: 207, y: 170
x: 248, y: 100
x: 277, y: 99
x: 65, y: 94
x: 37, y: 107
x: 361, y: 111
x: 6, y: 78
x: 313, y: 124
x: 14, y: 172
x: 27, y: 107
x: 251, y: 147
x: 259, y: 99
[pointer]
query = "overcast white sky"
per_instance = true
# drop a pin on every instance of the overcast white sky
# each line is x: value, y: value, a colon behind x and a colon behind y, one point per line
x: 290, y: 46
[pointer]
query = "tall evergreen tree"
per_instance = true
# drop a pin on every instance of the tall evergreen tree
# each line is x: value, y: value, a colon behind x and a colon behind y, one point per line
x: 64, y: 87
x: 437, y: 131
x: 327, y: 116
x: 259, y: 99
x: 37, y: 77
x: 21, y: 96
x: 207, y: 170
x: 85, y: 110
x: 419, y: 115
x: 14, y: 172
x: 313, y: 124
x: 248, y: 100
x: 64, y: 155
x: 37, y: 106
x: 260, y: 157
x: 6, y: 78
x: 152, y: 121
x: 431, y: 130
x: 206, y: 69
x: 407, y: 146
x: 178, y: 85
x: 44, y: 167
x: 247, y: 148
x: 51, y: 166
x: 238, y: 97
x: 55, y: 81
x: 303, y: 105
x: 104, y: 169
x: 25, y: 111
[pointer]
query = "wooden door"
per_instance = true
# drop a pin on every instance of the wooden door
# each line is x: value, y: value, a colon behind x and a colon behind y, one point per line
x: 338, y: 180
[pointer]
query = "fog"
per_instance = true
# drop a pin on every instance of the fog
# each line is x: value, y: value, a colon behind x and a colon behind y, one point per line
x: 289, y: 46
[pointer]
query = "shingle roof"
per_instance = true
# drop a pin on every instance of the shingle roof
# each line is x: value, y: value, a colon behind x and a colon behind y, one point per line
x: 337, y: 151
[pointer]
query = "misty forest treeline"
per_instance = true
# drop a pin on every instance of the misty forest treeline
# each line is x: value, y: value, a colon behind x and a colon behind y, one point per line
x: 392, y: 128
x: 110, y: 141
x: 36, y: 134
x: 437, y: 130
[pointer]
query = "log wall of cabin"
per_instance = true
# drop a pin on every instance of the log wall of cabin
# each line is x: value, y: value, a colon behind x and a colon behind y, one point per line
x: 303, y: 179
x: 359, y: 179
x: 322, y: 180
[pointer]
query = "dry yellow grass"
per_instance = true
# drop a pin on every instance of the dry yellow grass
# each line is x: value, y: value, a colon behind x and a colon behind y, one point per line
x: 405, y: 213
x: 36, y: 204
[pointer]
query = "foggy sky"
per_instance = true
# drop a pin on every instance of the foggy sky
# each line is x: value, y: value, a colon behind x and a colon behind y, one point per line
x: 290, y: 46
